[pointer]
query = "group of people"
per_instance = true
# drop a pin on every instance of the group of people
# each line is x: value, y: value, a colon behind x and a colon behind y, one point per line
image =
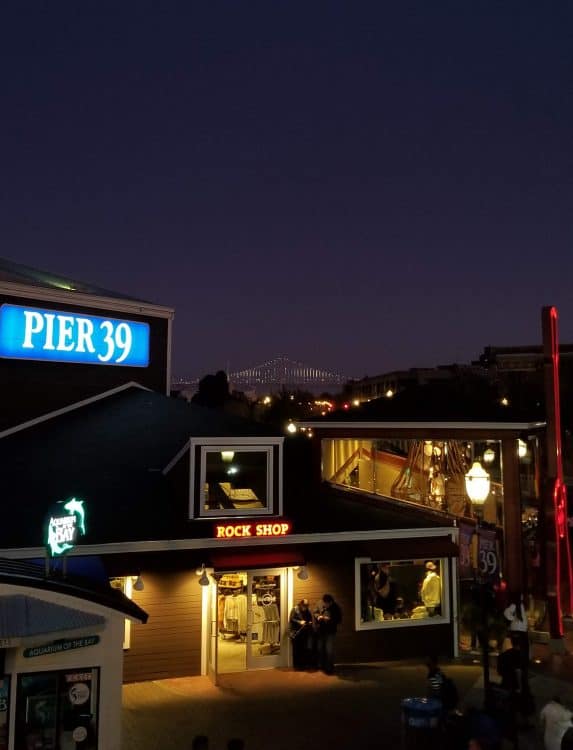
x: 313, y: 633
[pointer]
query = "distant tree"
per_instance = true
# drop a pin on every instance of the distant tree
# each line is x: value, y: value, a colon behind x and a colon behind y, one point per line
x: 213, y: 391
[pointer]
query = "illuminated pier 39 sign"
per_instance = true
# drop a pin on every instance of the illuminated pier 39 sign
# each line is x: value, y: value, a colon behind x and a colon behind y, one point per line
x: 52, y: 336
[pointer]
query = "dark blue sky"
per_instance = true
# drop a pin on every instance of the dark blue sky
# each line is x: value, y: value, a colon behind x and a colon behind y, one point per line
x: 360, y: 185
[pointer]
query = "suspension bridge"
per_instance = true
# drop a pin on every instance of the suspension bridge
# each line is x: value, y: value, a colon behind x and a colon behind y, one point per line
x: 281, y: 373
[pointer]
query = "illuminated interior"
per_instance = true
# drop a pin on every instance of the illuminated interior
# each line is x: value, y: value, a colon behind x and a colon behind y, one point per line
x: 236, y: 479
x: 425, y: 472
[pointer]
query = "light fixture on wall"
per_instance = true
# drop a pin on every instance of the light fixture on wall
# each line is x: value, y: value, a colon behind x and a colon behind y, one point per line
x: 291, y: 427
x: 204, y: 578
x: 488, y: 456
x: 302, y: 574
x: 227, y: 456
x: 477, y: 484
x: 138, y: 585
x: 521, y: 448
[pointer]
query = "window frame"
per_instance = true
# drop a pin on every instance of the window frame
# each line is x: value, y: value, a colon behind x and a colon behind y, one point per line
x: 442, y: 619
x: 267, y: 445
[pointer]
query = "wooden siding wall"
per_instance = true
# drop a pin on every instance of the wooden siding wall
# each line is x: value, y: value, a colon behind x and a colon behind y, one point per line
x: 337, y: 578
x: 169, y: 645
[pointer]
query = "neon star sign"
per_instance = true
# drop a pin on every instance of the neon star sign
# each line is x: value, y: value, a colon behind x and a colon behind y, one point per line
x: 66, y: 524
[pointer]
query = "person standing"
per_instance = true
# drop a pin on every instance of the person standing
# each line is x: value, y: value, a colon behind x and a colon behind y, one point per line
x: 328, y: 617
x: 516, y: 615
x: 556, y: 720
x: 432, y: 590
x: 385, y: 590
x: 301, y: 635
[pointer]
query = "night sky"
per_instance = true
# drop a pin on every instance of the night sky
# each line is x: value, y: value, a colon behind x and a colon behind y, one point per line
x: 362, y: 186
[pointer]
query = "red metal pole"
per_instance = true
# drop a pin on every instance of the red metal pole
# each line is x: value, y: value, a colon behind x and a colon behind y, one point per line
x: 557, y: 552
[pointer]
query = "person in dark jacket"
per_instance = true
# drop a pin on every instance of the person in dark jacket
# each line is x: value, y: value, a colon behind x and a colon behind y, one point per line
x: 301, y: 635
x: 327, y: 617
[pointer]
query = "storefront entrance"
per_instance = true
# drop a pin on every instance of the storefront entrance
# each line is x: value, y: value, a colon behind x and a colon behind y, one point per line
x: 247, y: 621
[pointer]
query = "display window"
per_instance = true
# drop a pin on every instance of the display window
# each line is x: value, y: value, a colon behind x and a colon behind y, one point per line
x: 57, y: 710
x: 401, y: 592
x: 236, y: 480
x: 4, y: 711
x: 430, y: 473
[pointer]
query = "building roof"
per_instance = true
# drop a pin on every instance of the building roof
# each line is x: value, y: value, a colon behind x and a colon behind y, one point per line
x: 31, y: 617
x: 25, y: 617
x: 18, y: 273
x: 336, y: 509
x: 470, y: 400
x: 111, y: 453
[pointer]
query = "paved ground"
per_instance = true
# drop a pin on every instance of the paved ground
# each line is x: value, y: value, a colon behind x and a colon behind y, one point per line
x: 359, y: 707
x: 279, y: 709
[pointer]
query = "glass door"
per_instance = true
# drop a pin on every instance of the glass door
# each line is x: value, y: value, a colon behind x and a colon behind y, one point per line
x: 266, y: 619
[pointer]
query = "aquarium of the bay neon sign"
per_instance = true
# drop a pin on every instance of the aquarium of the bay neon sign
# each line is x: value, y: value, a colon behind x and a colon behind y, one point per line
x: 56, y: 336
x: 65, y: 524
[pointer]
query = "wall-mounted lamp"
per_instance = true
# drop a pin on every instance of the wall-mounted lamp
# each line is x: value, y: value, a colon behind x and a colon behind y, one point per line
x: 521, y: 448
x: 139, y: 585
x: 291, y: 428
x: 227, y: 456
x: 302, y: 574
x: 204, y: 578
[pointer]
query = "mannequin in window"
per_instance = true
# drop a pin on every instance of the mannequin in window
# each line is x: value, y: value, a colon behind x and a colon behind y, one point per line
x: 432, y: 590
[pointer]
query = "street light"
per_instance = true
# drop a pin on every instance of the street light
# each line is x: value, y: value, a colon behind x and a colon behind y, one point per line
x: 478, y: 486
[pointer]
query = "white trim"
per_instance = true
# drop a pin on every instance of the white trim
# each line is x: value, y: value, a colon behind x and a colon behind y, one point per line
x: 169, y: 354
x: 242, y: 440
x: 443, y: 619
x: 207, y: 592
x: 176, y: 458
x: 71, y: 407
x: 225, y: 443
x: 233, y: 512
x: 173, y: 545
x: 509, y: 426
x: 72, y: 298
x: 455, y: 607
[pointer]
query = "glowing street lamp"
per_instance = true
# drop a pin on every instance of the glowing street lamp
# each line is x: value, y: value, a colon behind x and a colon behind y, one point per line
x: 477, y: 484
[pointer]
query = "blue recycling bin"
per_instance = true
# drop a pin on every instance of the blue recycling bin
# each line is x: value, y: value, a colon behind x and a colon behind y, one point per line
x: 420, y: 722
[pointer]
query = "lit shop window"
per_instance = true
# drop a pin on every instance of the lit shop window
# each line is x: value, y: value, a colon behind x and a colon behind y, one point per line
x: 430, y: 473
x: 125, y: 585
x: 236, y: 480
x: 396, y: 593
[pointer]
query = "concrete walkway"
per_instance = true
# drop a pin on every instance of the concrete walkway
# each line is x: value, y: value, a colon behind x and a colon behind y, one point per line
x: 359, y: 707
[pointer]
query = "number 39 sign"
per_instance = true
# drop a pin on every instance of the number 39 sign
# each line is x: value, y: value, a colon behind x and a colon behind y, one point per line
x: 55, y: 336
x: 488, y: 563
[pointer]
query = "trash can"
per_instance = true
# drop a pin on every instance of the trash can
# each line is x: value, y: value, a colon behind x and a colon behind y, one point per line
x: 420, y: 723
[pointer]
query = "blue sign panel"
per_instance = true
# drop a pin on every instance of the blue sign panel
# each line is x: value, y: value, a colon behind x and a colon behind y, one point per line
x: 53, y: 336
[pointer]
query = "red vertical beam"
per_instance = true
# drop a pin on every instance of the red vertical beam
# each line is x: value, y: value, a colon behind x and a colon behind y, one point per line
x: 557, y: 552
